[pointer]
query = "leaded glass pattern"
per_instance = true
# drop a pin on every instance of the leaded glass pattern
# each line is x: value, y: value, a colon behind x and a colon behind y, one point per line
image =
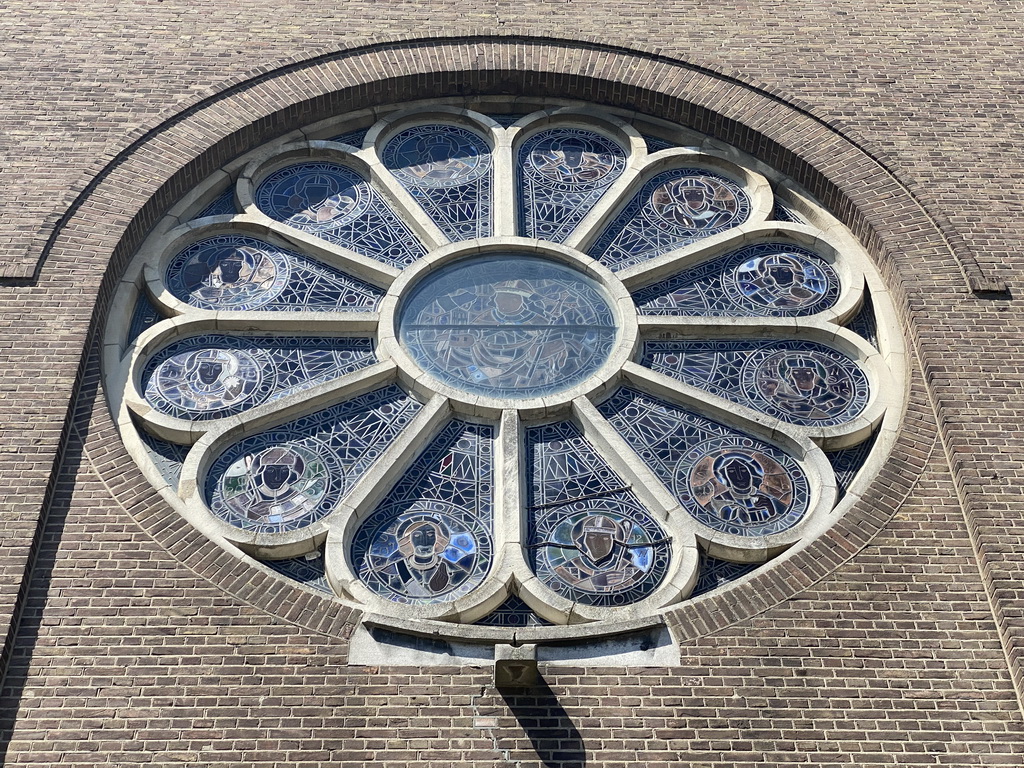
x: 801, y: 382
x: 309, y: 570
x: 715, y: 573
x: 429, y: 354
x: 238, y: 273
x: 864, y: 323
x: 561, y: 174
x: 144, y: 316
x: 338, y: 205
x: 431, y: 538
x: 284, y: 479
x: 655, y: 144
x: 848, y: 462
x: 782, y: 212
x: 215, y: 375
x: 447, y: 170
x: 507, y: 120
x: 590, y: 538
x: 672, y: 210
x: 763, y: 280
x: 513, y: 613
x: 352, y: 138
x: 727, y: 480
x: 222, y: 205
x: 166, y: 457
x: 509, y: 326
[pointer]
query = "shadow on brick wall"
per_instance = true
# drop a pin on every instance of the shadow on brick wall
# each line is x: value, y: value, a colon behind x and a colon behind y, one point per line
x: 555, y: 738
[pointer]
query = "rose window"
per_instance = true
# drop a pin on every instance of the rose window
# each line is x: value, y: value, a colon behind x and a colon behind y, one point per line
x: 503, y: 368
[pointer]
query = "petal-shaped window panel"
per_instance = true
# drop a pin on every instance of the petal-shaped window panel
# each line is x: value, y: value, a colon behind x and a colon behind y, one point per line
x: 764, y: 280
x: 672, y: 210
x: 431, y: 539
x: 287, y: 478
x: 591, y: 539
x: 215, y: 375
x: 561, y: 174
x: 338, y: 205
x: 236, y: 272
x: 801, y: 382
x: 448, y: 171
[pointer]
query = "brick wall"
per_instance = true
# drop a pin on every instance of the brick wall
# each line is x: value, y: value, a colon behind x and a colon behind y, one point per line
x: 129, y: 643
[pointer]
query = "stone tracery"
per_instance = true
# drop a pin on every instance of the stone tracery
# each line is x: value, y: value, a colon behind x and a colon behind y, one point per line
x: 729, y: 461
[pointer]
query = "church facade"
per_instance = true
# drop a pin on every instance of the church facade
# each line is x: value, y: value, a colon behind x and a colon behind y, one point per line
x: 535, y: 385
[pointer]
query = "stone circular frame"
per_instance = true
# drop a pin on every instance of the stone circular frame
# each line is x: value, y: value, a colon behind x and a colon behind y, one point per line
x: 764, y: 220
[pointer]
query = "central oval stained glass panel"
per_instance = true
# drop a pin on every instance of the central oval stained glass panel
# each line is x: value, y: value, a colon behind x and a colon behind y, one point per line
x: 508, y: 326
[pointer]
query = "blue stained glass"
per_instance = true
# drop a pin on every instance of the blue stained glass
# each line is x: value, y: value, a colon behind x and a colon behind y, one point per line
x: 447, y: 170
x: 864, y: 323
x: 672, y: 210
x: 167, y: 457
x: 352, y: 138
x: 223, y: 205
x: 309, y: 570
x: 781, y: 212
x: 656, y: 145
x: 430, y: 540
x: 590, y: 539
x: 847, y: 462
x: 236, y: 272
x: 513, y: 613
x: 714, y: 573
x: 289, y: 477
x: 508, y: 326
x: 338, y: 205
x: 725, y: 479
x: 213, y: 375
x: 763, y: 280
x: 801, y: 382
x: 560, y: 174
x: 506, y: 120
x: 145, y: 315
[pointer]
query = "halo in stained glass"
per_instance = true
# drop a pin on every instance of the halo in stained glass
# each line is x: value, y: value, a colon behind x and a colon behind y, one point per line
x: 762, y: 280
x: 205, y: 381
x: 314, y: 197
x: 430, y: 540
x: 672, y: 210
x: 729, y: 485
x: 509, y: 326
x: 602, y: 552
x: 287, y: 478
x: 214, y: 375
x: 229, y: 272
x: 779, y: 278
x: 437, y: 156
x: 807, y: 386
x: 800, y: 382
x: 571, y: 160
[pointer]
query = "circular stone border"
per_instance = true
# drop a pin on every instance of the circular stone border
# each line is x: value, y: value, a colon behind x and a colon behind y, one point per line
x: 146, y: 179
x: 413, y: 376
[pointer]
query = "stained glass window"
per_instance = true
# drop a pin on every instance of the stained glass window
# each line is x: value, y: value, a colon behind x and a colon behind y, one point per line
x: 509, y: 326
x: 491, y: 369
